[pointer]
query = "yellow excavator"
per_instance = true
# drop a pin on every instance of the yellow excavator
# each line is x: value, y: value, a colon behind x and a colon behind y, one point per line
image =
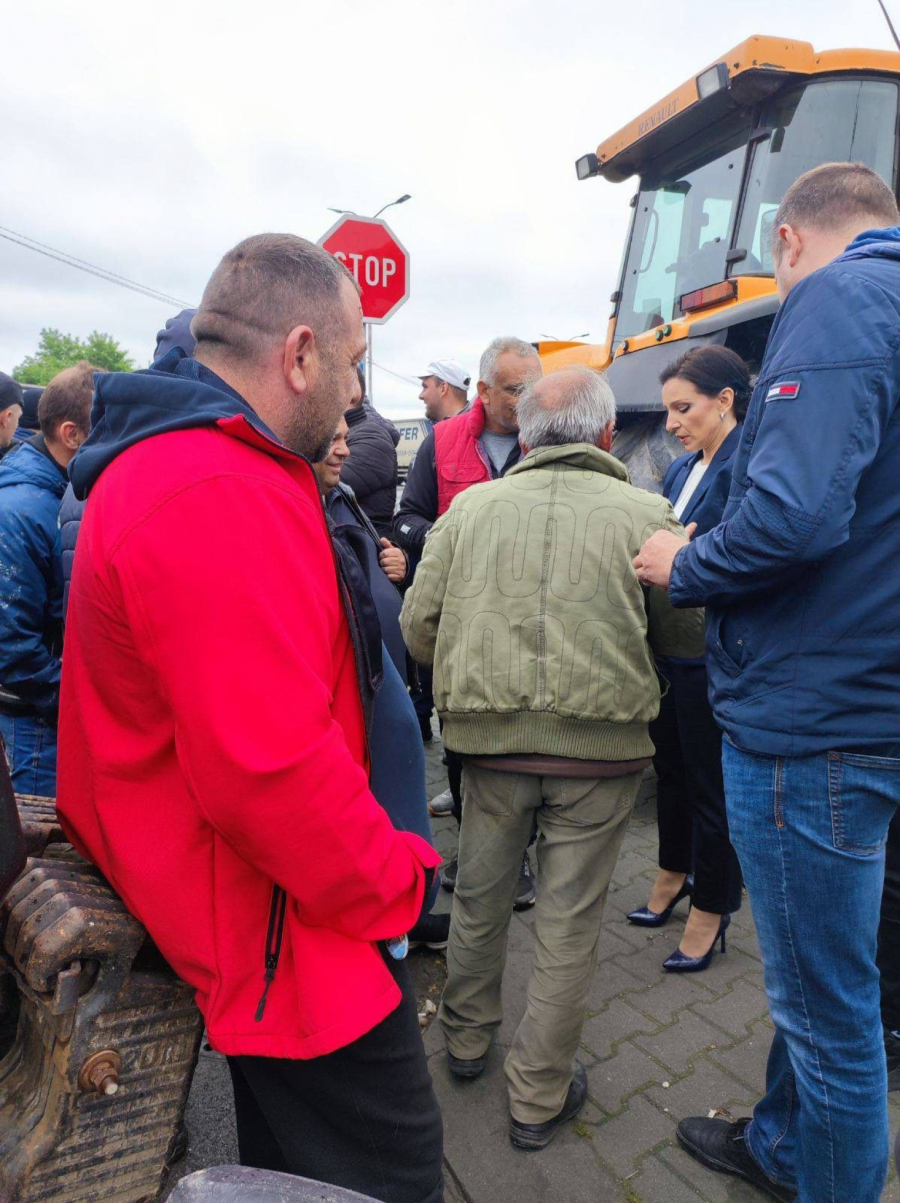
x: 714, y: 159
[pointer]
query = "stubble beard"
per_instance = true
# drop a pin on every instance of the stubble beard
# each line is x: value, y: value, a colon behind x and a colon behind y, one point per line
x: 312, y: 430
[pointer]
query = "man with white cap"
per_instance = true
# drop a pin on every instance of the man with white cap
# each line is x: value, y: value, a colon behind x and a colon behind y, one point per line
x: 445, y: 389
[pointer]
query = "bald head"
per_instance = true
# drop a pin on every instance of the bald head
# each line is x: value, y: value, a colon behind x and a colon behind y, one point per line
x: 574, y: 405
x: 265, y: 287
x: 281, y: 323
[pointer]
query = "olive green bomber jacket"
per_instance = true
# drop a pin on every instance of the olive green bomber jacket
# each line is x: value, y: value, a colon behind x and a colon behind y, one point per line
x: 528, y: 606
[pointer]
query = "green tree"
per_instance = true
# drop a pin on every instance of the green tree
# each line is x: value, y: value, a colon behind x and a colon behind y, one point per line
x: 57, y: 351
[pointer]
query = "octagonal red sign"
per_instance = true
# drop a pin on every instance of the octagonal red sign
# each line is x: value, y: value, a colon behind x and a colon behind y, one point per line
x: 378, y: 260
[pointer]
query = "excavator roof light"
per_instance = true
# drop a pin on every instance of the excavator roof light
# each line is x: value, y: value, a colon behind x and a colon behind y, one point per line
x: 712, y: 80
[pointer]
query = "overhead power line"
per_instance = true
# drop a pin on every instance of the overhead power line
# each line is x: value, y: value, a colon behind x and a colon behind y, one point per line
x: 92, y: 269
x: 405, y: 379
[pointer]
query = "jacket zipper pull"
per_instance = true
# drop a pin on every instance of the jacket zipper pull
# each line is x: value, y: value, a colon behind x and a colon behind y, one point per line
x: 269, y: 977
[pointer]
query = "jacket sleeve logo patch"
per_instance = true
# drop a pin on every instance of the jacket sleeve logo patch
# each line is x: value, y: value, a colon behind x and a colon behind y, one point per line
x: 786, y: 391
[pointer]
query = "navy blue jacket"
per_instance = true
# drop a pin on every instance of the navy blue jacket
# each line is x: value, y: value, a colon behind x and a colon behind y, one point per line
x: 70, y: 514
x: 801, y: 579
x: 707, y: 504
x: 31, y: 486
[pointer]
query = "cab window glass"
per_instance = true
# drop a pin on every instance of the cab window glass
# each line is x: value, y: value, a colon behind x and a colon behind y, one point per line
x: 832, y: 121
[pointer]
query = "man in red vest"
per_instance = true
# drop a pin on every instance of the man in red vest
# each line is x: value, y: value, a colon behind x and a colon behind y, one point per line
x: 479, y: 444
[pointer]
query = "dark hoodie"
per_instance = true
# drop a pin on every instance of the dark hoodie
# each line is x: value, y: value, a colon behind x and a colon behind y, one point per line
x: 176, y: 393
x: 176, y: 333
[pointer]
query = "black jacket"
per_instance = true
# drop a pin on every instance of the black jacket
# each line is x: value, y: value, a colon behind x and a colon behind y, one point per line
x: 345, y: 512
x: 371, y: 470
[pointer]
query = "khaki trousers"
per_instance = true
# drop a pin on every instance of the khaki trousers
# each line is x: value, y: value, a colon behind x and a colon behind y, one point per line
x: 580, y: 824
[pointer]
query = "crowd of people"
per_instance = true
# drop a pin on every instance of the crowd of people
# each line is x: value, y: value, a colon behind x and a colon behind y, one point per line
x: 222, y: 642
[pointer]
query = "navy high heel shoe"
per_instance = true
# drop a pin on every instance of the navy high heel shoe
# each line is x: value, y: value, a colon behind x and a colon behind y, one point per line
x: 647, y: 918
x: 679, y: 963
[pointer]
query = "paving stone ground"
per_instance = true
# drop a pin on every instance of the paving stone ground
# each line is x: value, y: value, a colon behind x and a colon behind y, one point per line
x: 656, y: 1047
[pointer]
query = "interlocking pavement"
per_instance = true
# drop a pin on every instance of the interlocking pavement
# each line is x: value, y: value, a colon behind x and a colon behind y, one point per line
x: 657, y: 1047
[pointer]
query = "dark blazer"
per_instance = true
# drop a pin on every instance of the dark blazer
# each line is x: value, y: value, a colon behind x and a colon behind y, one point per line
x: 706, y: 506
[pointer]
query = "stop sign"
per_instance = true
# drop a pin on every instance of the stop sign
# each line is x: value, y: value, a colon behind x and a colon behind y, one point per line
x: 378, y: 260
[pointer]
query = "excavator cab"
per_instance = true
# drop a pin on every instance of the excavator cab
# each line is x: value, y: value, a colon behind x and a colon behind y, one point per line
x: 714, y: 160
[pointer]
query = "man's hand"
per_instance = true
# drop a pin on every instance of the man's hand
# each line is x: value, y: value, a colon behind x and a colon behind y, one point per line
x: 654, y: 561
x: 393, y: 562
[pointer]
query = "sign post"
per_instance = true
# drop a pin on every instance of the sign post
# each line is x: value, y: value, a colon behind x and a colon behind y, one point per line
x: 378, y: 262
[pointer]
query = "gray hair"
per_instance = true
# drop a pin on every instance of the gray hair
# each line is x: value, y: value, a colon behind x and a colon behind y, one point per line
x: 502, y: 346
x: 574, y: 405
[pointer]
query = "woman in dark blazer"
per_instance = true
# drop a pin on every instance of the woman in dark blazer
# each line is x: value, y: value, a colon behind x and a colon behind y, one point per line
x: 705, y: 393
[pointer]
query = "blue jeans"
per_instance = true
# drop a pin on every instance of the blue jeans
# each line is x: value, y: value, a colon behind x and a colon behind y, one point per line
x: 30, y: 745
x: 810, y: 833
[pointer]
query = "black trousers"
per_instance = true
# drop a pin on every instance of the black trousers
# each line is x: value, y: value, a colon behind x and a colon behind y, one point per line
x: 420, y: 692
x: 693, y: 825
x: 454, y: 777
x: 889, y: 931
x: 364, y: 1117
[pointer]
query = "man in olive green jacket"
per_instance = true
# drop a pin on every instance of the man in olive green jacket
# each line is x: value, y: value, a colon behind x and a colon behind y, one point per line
x: 543, y: 643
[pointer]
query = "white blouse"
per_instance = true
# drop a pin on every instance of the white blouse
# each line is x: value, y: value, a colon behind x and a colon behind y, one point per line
x: 690, y: 487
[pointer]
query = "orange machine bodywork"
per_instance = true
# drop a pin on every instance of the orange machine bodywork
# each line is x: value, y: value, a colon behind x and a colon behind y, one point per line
x: 755, y: 60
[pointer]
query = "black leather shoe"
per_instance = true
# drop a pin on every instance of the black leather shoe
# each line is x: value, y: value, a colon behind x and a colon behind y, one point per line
x: 449, y: 873
x: 432, y: 931
x: 525, y: 891
x: 460, y: 1068
x: 719, y: 1145
x: 538, y: 1136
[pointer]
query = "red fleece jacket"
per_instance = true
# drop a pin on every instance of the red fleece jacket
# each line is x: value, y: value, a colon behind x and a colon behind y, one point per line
x: 212, y: 743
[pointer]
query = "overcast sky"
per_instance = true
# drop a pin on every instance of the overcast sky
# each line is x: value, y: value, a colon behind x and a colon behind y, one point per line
x: 148, y: 139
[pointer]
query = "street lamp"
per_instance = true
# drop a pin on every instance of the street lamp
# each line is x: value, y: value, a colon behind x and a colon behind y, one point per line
x: 553, y: 339
x: 401, y: 200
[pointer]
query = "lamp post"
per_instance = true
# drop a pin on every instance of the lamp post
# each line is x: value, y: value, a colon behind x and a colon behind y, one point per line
x: 401, y: 200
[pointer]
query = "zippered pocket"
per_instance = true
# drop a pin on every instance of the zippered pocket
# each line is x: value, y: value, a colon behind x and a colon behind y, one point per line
x: 274, y: 938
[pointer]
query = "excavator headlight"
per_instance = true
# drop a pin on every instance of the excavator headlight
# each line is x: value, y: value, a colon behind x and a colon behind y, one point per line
x: 713, y: 80
x: 587, y: 166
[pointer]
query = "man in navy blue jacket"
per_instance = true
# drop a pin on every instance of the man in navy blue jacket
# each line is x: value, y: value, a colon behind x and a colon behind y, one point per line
x: 32, y: 482
x: 802, y: 586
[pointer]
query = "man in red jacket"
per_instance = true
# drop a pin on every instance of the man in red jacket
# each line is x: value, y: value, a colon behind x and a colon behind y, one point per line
x: 479, y: 444
x: 213, y: 742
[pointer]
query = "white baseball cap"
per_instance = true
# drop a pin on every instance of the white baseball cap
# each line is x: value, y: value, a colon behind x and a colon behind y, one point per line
x: 449, y: 371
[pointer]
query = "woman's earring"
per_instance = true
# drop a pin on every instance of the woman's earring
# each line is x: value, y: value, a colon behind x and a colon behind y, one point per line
x: 721, y: 415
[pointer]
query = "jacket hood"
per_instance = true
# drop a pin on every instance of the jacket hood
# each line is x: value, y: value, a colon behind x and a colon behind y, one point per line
x: 574, y: 455
x: 29, y: 466
x: 176, y: 333
x: 873, y: 244
x: 176, y: 393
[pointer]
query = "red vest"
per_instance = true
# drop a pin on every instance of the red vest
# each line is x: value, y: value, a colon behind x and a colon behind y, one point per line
x: 458, y: 461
